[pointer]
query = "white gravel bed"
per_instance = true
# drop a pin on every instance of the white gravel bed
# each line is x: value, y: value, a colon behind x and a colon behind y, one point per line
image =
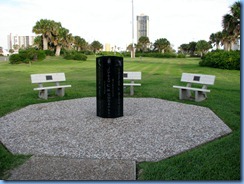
x: 150, y: 130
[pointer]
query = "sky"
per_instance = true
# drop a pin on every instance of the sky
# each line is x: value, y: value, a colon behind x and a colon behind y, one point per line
x: 110, y: 21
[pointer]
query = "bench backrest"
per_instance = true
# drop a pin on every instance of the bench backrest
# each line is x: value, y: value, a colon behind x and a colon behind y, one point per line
x: 198, y: 78
x: 132, y: 75
x: 50, y: 77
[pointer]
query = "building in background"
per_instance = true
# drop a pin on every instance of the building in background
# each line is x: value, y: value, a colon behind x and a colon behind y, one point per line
x: 16, y: 42
x: 142, y: 26
x: 107, y: 47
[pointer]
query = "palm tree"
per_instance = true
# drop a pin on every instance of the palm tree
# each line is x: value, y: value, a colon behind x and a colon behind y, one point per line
x: 231, y: 23
x: 215, y: 38
x: 38, y: 42
x: 162, y: 44
x: 62, y: 38
x: 80, y: 43
x: 44, y: 27
x: 184, y: 48
x: 203, y: 46
x: 144, y: 42
x: 96, y: 45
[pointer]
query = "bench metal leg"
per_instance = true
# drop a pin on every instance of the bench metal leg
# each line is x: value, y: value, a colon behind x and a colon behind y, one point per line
x: 200, y: 96
x: 43, y: 94
x: 60, y: 91
x: 184, y: 94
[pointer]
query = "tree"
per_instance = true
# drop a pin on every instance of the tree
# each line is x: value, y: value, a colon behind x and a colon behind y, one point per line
x: 215, y: 39
x: 162, y: 44
x: 192, y: 48
x: 80, y: 43
x: 203, y: 47
x: 45, y: 28
x: 184, y: 48
x: 231, y: 25
x: 61, y: 38
x: 143, y: 43
x: 96, y: 45
x: 38, y: 42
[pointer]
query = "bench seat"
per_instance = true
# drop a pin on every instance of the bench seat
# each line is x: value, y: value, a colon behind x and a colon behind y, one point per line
x: 132, y: 84
x: 56, y: 78
x: 52, y: 87
x: 190, y: 79
x: 193, y: 89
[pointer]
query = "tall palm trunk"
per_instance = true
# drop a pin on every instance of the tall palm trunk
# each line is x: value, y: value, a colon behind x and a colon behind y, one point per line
x: 45, y: 44
x: 58, y: 49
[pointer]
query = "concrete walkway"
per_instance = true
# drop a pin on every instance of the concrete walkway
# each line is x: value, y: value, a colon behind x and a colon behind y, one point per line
x: 56, y: 168
x: 150, y: 130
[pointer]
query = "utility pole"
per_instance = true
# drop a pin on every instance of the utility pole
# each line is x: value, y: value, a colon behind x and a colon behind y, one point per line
x: 133, y: 49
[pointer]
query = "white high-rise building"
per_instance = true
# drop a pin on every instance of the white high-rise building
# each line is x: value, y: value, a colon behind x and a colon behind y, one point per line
x: 15, y: 41
x: 142, y: 26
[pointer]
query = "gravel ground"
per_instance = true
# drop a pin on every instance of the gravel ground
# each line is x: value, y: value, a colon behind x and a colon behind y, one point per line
x: 150, y: 130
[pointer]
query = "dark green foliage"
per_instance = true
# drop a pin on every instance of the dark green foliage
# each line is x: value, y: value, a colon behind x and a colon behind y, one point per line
x: 181, y: 56
x: 25, y: 56
x: 74, y: 55
x: 156, y: 55
x: 107, y: 53
x: 222, y: 59
x: 49, y: 53
x: 15, y: 59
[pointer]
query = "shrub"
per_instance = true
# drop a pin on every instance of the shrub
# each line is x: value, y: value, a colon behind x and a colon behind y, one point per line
x: 25, y: 56
x: 15, y: 59
x: 49, y: 53
x: 79, y: 57
x: 110, y: 53
x: 222, y: 59
x: 156, y: 55
x: 181, y: 56
x: 74, y: 55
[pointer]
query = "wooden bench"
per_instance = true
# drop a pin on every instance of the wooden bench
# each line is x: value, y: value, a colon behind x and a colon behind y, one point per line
x: 132, y: 76
x: 47, y: 78
x: 200, y: 93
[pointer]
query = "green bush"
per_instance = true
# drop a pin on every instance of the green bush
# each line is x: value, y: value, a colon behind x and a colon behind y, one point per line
x: 74, y: 55
x: 110, y: 53
x: 79, y: 57
x: 156, y: 55
x: 222, y: 59
x: 25, y: 56
x: 181, y: 56
x: 15, y: 59
x: 49, y: 52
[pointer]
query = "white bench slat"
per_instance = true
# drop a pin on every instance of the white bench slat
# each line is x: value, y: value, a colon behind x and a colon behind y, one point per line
x: 198, y: 78
x: 132, y: 84
x: 132, y: 75
x: 52, y: 87
x: 49, y: 77
x: 193, y: 89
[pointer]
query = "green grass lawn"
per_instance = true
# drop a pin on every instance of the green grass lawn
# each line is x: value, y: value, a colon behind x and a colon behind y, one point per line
x: 217, y: 160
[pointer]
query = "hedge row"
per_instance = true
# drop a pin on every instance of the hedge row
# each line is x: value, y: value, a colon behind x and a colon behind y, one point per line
x: 25, y: 56
x: 74, y: 55
x: 222, y: 59
x: 155, y: 55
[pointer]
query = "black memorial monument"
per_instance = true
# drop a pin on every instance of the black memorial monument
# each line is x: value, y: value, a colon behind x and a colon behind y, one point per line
x: 109, y: 86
